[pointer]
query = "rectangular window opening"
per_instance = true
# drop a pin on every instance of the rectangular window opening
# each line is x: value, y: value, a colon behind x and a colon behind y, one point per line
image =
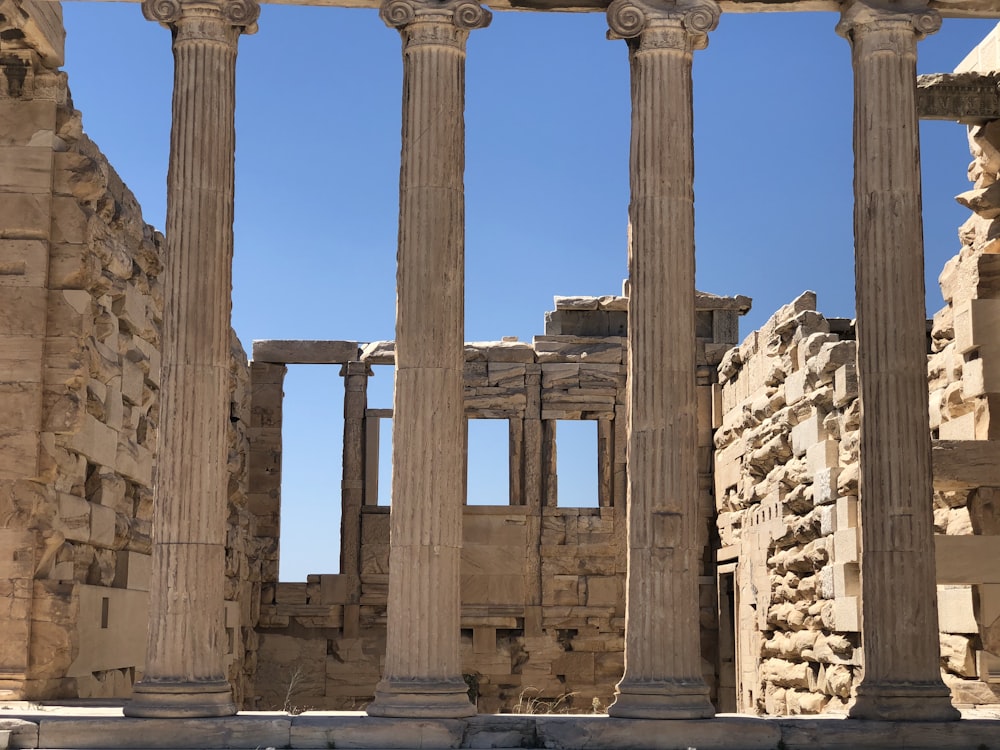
x: 576, y: 463
x: 312, y: 436
x: 488, y: 462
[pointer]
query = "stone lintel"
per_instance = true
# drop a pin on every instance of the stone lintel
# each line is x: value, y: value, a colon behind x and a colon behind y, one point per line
x: 969, y: 98
x: 305, y: 352
x: 965, y: 464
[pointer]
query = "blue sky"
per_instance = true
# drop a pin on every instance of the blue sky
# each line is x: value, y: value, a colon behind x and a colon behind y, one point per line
x: 318, y: 121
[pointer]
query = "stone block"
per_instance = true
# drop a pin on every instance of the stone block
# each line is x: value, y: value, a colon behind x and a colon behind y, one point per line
x: 605, y: 591
x: 956, y: 613
x: 846, y: 615
x: 23, y: 310
x: 967, y: 559
x: 846, y: 580
x: 807, y: 433
x: 102, y: 526
x: 822, y: 456
x: 959, y: 428
x: 27, y: 122
x: 25, y: 216
x: 96, y: 441
x: 133, y: 571
x: 845, y: 546
x: 23, y: 263
x: 845, y: 385
x: 977, y: 324
x: 25, y: 169
x: 980, y: 376
x: 21, y: 359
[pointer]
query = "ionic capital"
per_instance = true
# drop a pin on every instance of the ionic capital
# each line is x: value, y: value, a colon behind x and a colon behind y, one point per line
x: 872, y: 16
x: 677, y: 24
x: 241, y: 15
x: 434, y: 22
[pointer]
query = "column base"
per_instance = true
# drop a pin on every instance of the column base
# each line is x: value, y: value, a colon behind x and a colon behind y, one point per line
x: 674, y: 699
x: 444, y: 699
x: 181, y: 700
x: 904, y: 701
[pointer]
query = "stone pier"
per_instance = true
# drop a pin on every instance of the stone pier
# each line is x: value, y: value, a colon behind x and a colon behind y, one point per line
x: 662, y: 651
x: 899, y: 604
x: 423, y: 675
x: 184, y: 673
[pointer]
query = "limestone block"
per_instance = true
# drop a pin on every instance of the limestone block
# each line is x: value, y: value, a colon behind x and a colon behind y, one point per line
x: 977, y: 324
x: 822, y: 456
x: 25, y: 169
x: 846, y: 615
x: 825, y: 486
x: 807, y: 433
x: 96, y: 441
x: 23, y: 263
x: 845, y: 545
x: 103, y: 522
x: 846, y: 580
x: 980, y: 376
x: 27, y: 122
x: 133, y: 571
x: 604, y: 591
x: 957, y: 655
x: 845, y: 385
x: 26, y: 216
x: 967, y: 559
x: 959, y: 428
x: 956, y: 613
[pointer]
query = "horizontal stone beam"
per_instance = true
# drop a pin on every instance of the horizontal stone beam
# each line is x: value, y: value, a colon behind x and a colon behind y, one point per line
x: 305, y: 352
x: 964, y: 464
x: 947, y: 8
x: 969, y: 98
x: 967, y: 559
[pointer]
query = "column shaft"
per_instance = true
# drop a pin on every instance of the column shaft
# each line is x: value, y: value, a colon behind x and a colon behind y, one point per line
x: 899, y: 598
x: 352, y: 490
x: 184, y: 674
x: 423, y: 675
x: 662, y: 645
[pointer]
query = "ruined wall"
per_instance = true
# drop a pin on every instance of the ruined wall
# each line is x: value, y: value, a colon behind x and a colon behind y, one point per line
x: 786, y: 487
x: 542, y: 583
x: 964, y: 379
x: 79, y: 382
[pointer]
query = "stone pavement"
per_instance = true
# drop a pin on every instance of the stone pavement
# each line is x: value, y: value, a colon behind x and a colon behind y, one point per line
x: 104, y: 728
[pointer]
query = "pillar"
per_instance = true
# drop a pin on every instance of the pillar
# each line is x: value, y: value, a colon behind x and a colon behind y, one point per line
x: 185, y: 674
x: 352, y: 488
x: 662, y: 650
x: 899, y: 600
x: 423, y: 675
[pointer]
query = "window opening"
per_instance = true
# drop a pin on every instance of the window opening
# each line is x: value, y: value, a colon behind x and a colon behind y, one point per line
x: 576, y: 463
x: 487, y: 462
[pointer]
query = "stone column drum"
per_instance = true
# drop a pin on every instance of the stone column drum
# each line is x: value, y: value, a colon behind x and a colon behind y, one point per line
x: 423, y: 675
x: 899, y: 600
x: 184, y: 674
x: 662, y: 650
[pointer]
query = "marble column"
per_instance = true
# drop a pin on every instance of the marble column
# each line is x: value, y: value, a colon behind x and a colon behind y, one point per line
x: 662, y: 640
x: 423, y: 674
x: 899, y: 600
x: 184, y: 675
x: 352, y: 490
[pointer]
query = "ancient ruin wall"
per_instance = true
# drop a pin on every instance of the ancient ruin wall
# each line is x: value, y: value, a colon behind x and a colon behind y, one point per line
x: 964, y: 381
x: 786, y: 487
x: 542, y: 584
x: 79, y: 381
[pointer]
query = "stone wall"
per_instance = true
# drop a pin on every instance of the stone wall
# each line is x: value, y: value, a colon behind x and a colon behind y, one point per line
x: 786, y: 487
x: 542, y: 581
x: 964, y: 377
x: 79, y: 382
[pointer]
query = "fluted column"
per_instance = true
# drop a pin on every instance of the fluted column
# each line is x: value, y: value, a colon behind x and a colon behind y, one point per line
x: 899, y: 600
x: 423, y: 675
x: 184, y: 673
x: 662, y: 645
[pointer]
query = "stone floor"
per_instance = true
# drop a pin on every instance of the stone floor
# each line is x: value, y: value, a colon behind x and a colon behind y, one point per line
x: 93, y: 727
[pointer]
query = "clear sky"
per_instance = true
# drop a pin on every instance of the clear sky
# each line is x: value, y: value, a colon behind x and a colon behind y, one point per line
x: 317, y: 166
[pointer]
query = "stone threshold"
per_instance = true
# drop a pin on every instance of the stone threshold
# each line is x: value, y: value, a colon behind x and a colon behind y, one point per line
x: 80, y: 728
